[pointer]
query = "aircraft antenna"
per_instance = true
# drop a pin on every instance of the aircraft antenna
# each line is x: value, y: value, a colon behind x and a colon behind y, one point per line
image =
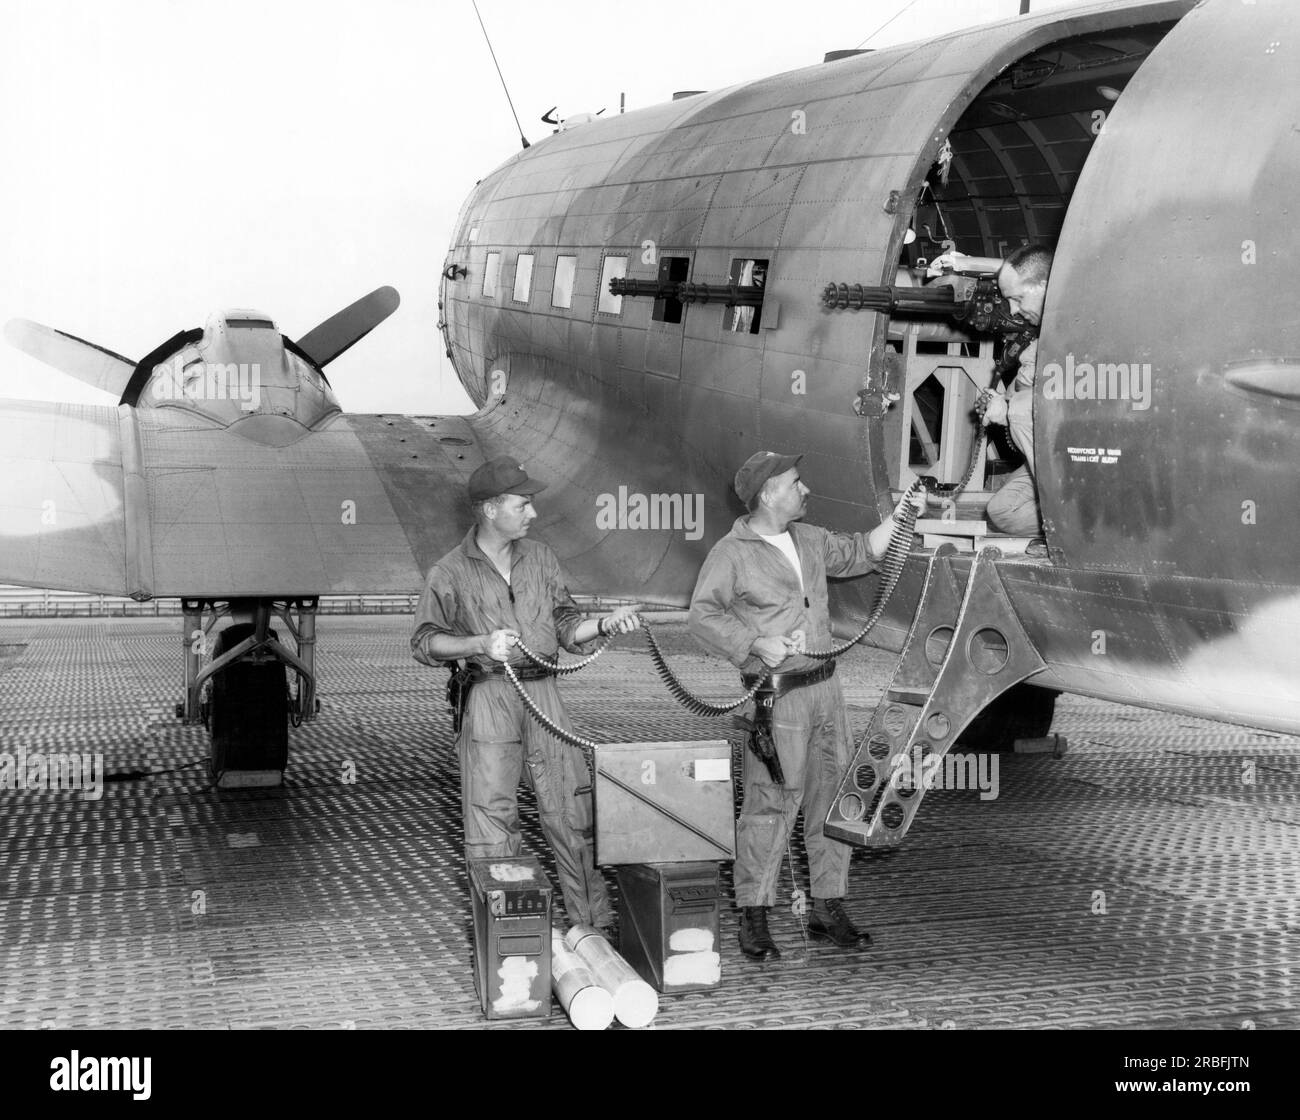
x: 499, y: 74
x: 882, y: 27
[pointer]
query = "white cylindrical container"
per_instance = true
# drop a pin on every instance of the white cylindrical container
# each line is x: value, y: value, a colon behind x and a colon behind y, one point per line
x: 589, y: 1006
x: 635, y: 1002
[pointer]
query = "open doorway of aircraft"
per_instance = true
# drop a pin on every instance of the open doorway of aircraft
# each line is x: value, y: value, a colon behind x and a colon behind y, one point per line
x: 640, y: 300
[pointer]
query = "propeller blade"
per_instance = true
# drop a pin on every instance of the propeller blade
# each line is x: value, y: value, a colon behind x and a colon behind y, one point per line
x: 71, y: 355
x: 346, y: 328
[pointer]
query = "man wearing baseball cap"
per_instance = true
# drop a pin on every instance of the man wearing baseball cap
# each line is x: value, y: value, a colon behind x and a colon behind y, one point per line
x: 760, y: 601
x: 493, y: 589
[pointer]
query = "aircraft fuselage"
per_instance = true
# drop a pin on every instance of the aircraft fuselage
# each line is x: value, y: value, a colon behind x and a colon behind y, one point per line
x: 1165, y: 423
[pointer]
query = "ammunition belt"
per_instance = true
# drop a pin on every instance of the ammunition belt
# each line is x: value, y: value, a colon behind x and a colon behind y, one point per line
x: 781, y: 683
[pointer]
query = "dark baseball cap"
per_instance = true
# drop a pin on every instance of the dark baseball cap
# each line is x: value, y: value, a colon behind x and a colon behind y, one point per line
x: 758, y: 468
x: 502, y: 475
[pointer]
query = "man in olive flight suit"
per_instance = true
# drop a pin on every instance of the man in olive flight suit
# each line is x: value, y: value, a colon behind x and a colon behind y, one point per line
x: 760, y: 601
x: 490, y: 591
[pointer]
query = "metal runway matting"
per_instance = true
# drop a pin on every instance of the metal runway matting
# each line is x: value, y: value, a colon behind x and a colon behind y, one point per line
x: 1147, y: 879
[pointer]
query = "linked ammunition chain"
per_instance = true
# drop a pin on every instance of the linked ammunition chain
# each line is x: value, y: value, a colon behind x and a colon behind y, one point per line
x: 587, y: 747
x: 900, y: 545
x: 891, y: 568
x: 895, y: 559
x: 554, y: 667
x: 977, y: 453
x: 683, y: 695
x: 678, y: 690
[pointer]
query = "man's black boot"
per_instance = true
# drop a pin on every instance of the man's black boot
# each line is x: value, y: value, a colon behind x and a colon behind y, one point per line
x: 829, y: 922
x: 755, y: 942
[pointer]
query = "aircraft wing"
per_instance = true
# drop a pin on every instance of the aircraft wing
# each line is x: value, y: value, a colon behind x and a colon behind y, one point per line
x: 364, y: 504
x: 62, y: 488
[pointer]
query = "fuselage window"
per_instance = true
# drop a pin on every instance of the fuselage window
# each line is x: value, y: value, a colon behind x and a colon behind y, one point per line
x: 672, y: 270
x: 491, y: 274
x: 613, y: 268
x: 523, y: 277
x: 562, y: 291
x: 748, y: 272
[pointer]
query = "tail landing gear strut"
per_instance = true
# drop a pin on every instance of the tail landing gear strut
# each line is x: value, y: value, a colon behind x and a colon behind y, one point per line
x: 249, y: 706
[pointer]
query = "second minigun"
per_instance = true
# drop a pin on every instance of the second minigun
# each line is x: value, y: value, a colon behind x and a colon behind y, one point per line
x: 974, y: 302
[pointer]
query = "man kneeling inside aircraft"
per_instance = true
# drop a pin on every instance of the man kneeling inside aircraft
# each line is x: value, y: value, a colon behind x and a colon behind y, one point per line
x: 1022, y: 280
x: 760, y: 601
x: 491, y: 590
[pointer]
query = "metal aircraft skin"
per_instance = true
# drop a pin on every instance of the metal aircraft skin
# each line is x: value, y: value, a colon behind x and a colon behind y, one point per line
x: 1124, y: 134
x: 227, y: 470
x: 1172, y: 578
x: 228, y: 476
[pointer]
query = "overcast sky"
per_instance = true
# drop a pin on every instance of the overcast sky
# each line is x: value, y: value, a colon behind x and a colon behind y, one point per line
x: 167, y: 158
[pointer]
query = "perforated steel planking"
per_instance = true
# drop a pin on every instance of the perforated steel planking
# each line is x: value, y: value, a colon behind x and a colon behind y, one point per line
x: 341, y: 900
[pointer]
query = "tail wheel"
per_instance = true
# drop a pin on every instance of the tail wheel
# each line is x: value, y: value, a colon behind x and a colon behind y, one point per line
x: 248, y: 714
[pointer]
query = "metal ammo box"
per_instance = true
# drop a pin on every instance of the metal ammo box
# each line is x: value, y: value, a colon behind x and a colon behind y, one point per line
x: 512, y: 937
x: 671, y: 802
x: 668, y: 924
